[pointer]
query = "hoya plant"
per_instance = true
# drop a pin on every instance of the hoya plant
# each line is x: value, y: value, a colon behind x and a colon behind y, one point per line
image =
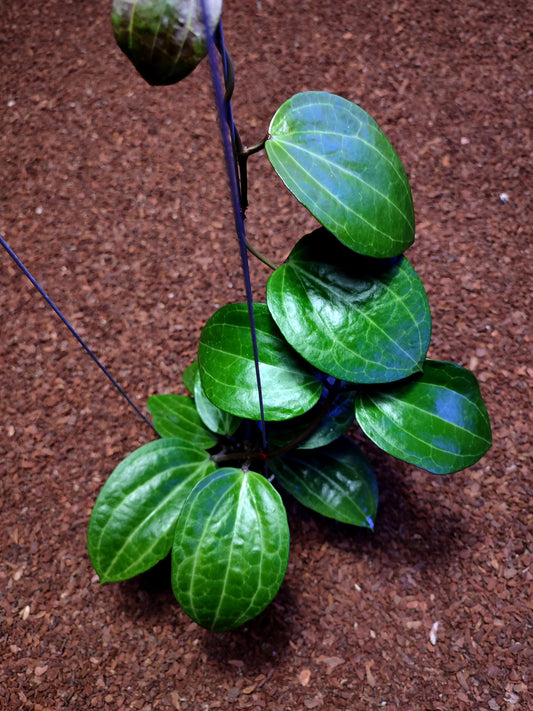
x: 340, y: 338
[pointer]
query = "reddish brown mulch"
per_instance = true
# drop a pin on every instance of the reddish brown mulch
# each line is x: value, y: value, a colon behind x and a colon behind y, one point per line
x: 113, y: 194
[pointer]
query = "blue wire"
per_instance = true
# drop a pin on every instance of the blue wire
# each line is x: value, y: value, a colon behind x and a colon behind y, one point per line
x: 71, y: 328
x: 227, y: 128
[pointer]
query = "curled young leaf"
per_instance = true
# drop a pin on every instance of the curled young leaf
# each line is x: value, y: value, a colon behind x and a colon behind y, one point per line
x: 164, y: 39
x: 213, y: 417
x: 230, y: 550
x: 436, y: 420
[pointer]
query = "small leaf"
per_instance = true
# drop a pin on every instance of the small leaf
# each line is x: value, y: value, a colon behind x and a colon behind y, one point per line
x: 227, y: 368
x: 189, y: 376
x: 337, y: 162
x: 436, y: 420
x: 231, y: 549
x: 164, y: 39
x: 176, y: 416
x: 337, y: 481
x: 132, y: 523
x: 330, y: 424
x: 213, y: 417
x: 356, y: 318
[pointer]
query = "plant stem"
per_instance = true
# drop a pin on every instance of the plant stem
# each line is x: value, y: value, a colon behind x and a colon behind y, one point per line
x: 250, y: 454
x: 260, y: 256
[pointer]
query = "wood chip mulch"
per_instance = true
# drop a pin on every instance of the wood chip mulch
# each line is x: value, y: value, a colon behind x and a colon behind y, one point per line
x: 113, y: 194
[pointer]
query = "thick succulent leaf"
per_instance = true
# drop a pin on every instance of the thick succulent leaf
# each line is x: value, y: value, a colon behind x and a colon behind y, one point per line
x: 213, y: 417
x: 189, y: 376
x: 164, y: 39
x: 132, y: 523
x: 318, y: 427
x: 338, y: 163
x: 230, y: 550
x: 176, y: 416
x: 436, y: 420
x: 337, y: 481
x: 357, y: 318
x: 227, y: 368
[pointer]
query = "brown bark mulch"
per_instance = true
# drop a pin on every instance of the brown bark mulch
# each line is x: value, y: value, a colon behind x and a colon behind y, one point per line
x: 113, y: 194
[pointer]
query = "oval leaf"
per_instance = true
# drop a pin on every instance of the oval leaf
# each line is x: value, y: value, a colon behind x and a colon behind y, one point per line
x: 436, y: 420
x: 164, y: 39
x: 337, y: 481
x: 227, y: 368
x: 231, y: 549
x: 132, y: 523
x: 215, y: 419
x: 357, y: 318
x: 337, y: 162
x: 176, y: 416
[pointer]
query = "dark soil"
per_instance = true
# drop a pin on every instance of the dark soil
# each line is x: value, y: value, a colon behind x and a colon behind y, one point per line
x: 113, y: 194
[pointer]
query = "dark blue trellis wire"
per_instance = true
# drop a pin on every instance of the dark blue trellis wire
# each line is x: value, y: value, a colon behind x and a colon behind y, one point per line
x: 228, y: 132
x: 71, y: 328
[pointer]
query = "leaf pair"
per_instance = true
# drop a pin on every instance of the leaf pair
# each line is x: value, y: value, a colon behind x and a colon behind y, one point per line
x: 227, y: 530
x: 354, y: 318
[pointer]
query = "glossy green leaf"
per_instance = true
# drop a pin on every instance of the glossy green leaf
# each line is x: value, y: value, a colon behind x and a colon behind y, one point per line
x: 213, y: 417
x: 356, y: 318
x: 318, y: 427
x: 164, y: 39
x: 132, y: 523
x: 338, y: 163
x: 337, y: 481
x: 227, y: 368
x: 189, y: 376
x: 176, y: 416
x: 231, y: 549
x: 436, y: 420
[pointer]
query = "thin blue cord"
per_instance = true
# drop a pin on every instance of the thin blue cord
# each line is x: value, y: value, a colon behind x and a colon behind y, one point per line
x: 71, y: 328
x: 227, y: 128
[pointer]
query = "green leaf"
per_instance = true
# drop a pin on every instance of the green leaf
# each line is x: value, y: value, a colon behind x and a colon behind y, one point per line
x: 231, y: 549
x: 436, y: 420
x: 337, y: 481
x: 176, y: 416
x: 356, y: 318
x: 164, y: 39
x: 189, y: 376
x: 213, y: 417
x: 337, y: 162
x: 227, y: 368
x: 132, y: 523
x: 328, y: 425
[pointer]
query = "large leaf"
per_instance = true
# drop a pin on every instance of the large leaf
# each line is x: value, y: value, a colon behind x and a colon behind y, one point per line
x: 227, y: 368
x: 338, y: 163
x: 215, y: 419
x: 231, y: 549
x: 164, y: 39
x: 436, y: 420
x: 336, y: 481
x: 176, y: 416
x: 357, y: 318
x: 132, y: 523
x: 325, y: 422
